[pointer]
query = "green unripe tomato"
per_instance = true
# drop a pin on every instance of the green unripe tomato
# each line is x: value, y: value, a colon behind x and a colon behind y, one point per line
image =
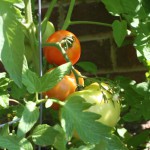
x: 49, y: 30
x: 101, y: 98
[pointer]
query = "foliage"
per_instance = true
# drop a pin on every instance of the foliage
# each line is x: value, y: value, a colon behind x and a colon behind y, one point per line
x: 22, y: 84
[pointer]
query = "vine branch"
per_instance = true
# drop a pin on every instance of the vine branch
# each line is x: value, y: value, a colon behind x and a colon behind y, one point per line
x: 90, y: 22
x: 68, y: 17
x: 47, y: 15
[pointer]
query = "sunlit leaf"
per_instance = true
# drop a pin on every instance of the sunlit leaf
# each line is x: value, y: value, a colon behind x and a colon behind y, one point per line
x: 113, y: 6
x: 29, y: 118
x: 14, y: 143
x: 74, y: 119
x: 34, y: 83
x: 4, y: 101
x: 110, y: 143
x: 12, y: 41
x: 44, y: 135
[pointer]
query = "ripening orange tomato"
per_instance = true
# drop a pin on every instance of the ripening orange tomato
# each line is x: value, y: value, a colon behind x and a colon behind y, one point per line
x: 54, y: 56
x: 64, y: 88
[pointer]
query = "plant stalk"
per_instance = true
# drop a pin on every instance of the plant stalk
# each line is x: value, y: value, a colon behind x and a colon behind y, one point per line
x: 68, y: 17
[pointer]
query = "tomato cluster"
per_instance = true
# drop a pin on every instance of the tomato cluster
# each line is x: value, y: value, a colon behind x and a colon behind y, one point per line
x: 95, y: 93
x: 54, y: 56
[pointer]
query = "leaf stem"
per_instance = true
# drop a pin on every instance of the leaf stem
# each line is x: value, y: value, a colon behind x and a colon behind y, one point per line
x: 90, y: 22
x: 28, y: 11
x: 36, y: 96
x: 68, y: 17
x: 15, y: 101
x: 76, y: 77
x: 53, y: 100
x: 31, y: 29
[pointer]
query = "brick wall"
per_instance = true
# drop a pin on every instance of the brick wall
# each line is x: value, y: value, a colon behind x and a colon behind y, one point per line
x: 97, y: 41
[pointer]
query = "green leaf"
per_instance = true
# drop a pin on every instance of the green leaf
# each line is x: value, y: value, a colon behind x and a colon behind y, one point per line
x: 3, y: 82
x: 9, y: 142
x: 2, y: 75
x: 138, y: 139
x: 4, y: 131
x: 145, y: 111
x: 25, y: 144
x: 44, y: 135
x: 107, y: 143
x: 131, y: 8
x: 88, y: 66
x: 29, y: 118
x: 110, y: 143
x: 118, y: 7
x: 17, y: 92
x: 13, y: 1
x: 84, y: 147
x: 31, y: 80
x: 14, y: 143
x: 50, y: 79
x: 12, y: 41
x: 73, y: 118
x: 113, y: 6
x: 142, y: 88
x: 34, y: 83
x: 4, y: 97
x: 143, y: 51
x: 60, y: 139
x: 132, y: 115
x: 4, y: 100
x: 119, y: 31
x: 18, y: 3
x: 146, y: 5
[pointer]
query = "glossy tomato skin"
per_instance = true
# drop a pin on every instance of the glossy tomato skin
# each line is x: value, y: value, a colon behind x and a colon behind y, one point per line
x: 108, y: 109
x: 64, y: 88
x: 54, y: 56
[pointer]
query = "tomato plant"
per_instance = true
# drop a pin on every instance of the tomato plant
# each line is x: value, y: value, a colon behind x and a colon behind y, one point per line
x: 93, y: 112
x: 65, y: 87
x: 73, y: 50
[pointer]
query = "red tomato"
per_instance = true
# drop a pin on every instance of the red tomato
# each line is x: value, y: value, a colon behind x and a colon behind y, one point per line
x: 64, y: 88
x: 54, y: 56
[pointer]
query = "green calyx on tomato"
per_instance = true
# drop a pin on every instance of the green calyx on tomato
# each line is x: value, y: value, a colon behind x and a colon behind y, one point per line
x: 73, y: 50
x: 101, y: 98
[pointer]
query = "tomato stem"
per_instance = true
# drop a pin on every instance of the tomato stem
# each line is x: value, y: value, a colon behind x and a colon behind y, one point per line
x: 68, y: 18
x: 58, y: 45
x: 90, y: 22
x: 47, y: 15
x: 15, y: 101
x: 31, y: 34
x: 28, y: 11
x: 37, y: 96
x: 53, y: 100
x: 77, y: 78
